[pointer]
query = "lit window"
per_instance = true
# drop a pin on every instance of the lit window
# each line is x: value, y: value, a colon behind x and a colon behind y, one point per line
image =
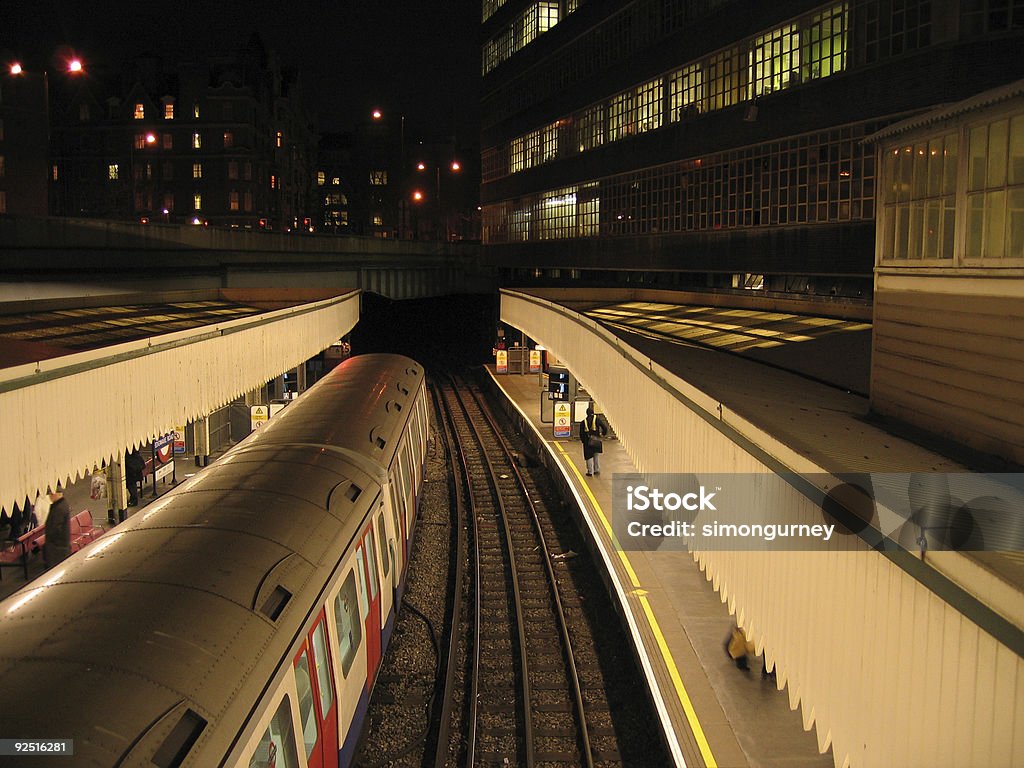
x: 336, y: 181
x: 279, y: 138
x: 320, y: 178
x: 379, y: 178
x: 140, y: 141
x: 54, y: 173
x: 168, y: 141
x: 169, y: 110
x: 113, y: 172
x: 140, y: 111
x: 197, y: 170
x: 197, y: 141
x: 686, y: 92
x: 197, y: 202
x: 232, y: 201
x: 774, y: 61
x: 823, y: 44
x: 273, y: 181
x: 195, y: 110
x: 378, y: 220
x: 995, y: 190
x: 229, y: 139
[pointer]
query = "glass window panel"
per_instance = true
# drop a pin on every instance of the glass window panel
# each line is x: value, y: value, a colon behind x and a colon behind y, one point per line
x: 307, y: 713
x: 997, y: 138
x: 975, y: 224
x: 948, y: 229
x: 346, y: 619
x: 920, y: 171
x: 382, y: 537
x: 932, y: 223
x: 1015, y: 225
x: 371, y: 559
x: 916, y: 230
x: 935, y: 163
x: 949, y: 164
x: 364, y: 602
x: 323, y: 668
x: 277, y: 747
x: 1015, y: 166
x: 902, y: 231
x: 976, y: 163
x: 995, y: 224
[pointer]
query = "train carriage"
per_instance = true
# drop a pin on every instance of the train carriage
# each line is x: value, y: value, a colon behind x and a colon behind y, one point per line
x: 239, y: 620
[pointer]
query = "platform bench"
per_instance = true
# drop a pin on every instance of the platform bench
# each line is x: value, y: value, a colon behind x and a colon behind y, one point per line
x: 83, y: 530
x: 16, y: 552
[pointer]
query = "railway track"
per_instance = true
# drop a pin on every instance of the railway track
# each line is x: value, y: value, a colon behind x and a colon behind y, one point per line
x: 525, y: 704
x: 533, y: 666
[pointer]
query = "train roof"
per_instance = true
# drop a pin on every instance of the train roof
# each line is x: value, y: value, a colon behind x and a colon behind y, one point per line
x: 189, y: 606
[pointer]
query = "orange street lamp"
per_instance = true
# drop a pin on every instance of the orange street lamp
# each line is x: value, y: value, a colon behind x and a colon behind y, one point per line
x: 75, y: 65
x: 417, y: 196
x: 16, y: 68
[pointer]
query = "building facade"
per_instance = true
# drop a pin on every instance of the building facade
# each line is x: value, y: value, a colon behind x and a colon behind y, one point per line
x: 225, y: 142
x: 712, y: 143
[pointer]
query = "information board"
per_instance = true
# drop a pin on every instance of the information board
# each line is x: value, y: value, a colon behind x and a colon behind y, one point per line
x: 563, y: 420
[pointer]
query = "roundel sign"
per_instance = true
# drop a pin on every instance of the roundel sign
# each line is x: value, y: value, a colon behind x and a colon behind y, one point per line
x: 164, y: 446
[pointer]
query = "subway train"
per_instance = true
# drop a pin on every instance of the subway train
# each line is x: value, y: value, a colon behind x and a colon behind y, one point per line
x: 240, y: 619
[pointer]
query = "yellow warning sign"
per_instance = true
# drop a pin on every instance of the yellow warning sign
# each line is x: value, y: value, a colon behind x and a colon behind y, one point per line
x: 563, y: 420
x: 258, y: 414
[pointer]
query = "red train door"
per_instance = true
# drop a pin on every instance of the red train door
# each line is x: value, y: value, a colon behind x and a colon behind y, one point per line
x: 366, y: 554
x: 318, y: 701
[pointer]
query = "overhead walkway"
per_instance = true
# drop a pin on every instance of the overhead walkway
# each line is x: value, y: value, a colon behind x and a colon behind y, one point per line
x: 893, y: 657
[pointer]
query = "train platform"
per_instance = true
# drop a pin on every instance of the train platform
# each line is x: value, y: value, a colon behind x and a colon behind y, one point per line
x: 719, y: 715
x: 79, y: 496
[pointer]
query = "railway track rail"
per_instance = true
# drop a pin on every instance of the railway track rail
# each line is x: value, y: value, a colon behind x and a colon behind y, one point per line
x: 526, y: 704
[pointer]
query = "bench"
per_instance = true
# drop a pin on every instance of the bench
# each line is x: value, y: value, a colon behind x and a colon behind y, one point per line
x: 16, y: 552
x: 83, y: 530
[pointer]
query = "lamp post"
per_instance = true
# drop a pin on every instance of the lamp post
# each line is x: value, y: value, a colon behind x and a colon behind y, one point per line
x: 454, y: 167
x: 142, y: 140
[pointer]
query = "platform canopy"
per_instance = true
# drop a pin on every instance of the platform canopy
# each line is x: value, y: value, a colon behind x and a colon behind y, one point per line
x: 83, y: 379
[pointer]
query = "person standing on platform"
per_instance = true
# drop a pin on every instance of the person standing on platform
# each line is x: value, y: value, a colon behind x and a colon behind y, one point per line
x: 58, y: 530
x: 592, y: 429
x: 134, y: 465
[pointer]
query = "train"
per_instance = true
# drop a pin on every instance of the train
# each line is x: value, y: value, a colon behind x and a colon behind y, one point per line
x: 240, y: 619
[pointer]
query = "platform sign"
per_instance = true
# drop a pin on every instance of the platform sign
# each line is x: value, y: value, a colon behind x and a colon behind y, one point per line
x: 563, y: 420
x: 534, y: 361
x: 258, y: 415
x: 501, y: 360
x: 163, y: 446
x: 178, y: 433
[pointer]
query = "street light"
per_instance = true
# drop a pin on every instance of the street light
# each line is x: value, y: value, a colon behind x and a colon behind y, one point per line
x: 454, y: 166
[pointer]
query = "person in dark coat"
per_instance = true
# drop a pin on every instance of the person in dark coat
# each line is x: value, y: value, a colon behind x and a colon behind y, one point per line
x: 134, y: 465
x: 58, y: 530
x: 592, y: 429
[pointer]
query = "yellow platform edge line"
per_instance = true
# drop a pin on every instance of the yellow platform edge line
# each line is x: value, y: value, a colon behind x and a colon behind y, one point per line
x: 666, y: 653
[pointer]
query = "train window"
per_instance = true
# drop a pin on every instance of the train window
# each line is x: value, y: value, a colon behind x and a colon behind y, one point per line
x: 382, y: 535
x: 307, y: 713
x: 364, y: 604
x: 277, y: 747
x: 323, y: 668
x: 372, y: 560
x: 350, y: 628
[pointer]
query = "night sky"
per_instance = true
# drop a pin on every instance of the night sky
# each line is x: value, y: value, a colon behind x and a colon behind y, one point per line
x: 420, y: 59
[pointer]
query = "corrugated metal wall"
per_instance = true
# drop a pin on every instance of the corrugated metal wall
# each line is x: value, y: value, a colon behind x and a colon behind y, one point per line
x: 60, y: 416
x: 948, y: 356
x: 887, y: 672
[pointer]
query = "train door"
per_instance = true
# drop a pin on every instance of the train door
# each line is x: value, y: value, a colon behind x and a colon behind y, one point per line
x: 317, y: 699
x: 368, y: 568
